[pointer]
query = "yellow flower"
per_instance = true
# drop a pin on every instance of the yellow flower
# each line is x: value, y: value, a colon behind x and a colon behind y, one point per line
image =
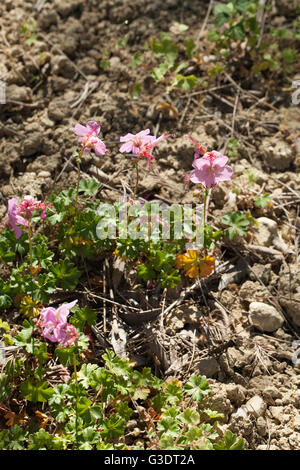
x: 195, y: 266
x: 29, y: 307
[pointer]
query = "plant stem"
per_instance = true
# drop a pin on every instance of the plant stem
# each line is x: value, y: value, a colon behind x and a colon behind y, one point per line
x: 78, y: 176
x: 204, y: 217
x: 30, y: 246
x: 76, y: 403
x: 137, y: 179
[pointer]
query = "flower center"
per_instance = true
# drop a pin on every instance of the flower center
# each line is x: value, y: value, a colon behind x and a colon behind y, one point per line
x: 137, y: 142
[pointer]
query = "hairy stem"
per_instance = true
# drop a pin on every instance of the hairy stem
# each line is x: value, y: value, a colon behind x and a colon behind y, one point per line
x: 78, y: 176
x: 76, y: 402
x: 30, y: 247
x: 137, y: 179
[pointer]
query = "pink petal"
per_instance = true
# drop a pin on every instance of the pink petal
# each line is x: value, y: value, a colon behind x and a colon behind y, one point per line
x: 18, y: 232
x: 135, y: 149
x: 49, y: 315
x: 220, y: 160
x: 12, y: 206
x: 93, y: 127
x: 80, y: 130
x: 127, y: 137
x: 204, y: 176
x: 143, y: 133
x: 201, y: 163
x: 64, y: 310
x: 127, y: 147
x: 224, y: 174
x: 100, y: 148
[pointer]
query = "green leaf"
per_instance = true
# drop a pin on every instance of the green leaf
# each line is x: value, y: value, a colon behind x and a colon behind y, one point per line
x: 116, y: 365
x: 85, y: 375
x: 159, y: 72
x: 4, y: 325
x: 190, y: 47
x: 222, y: 14
x: 67, y: 275
x: 89, y: 187
x: 289, y: 55
x: 262, y: 201
x: 213, y: 35
x: 84, y: 316
x: 136, y: 91
x: 146, y: 272
x: 105, y: 64
x: 40, y: 440
x: 237, y: 32
x: 185, y: 83
x: 166, y: 442
x: 32, y: 39
x: 122, y: 42
x: 165, y: 48
x: 137, y: 60
x: 36, y: 391
x: 237, y: 222
x: 189, y: 417
x: 197, y: 387
x: 168, y: 426
x: 212, y: 414
x: 242, y: 5
x: 5, y: 301
x: 230, y: 442
x: 13, y: 439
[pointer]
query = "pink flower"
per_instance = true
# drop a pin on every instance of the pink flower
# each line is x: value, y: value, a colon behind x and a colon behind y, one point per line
x: 67, y: 335
x: 29, y: 205
x: 200, y: 149
x: 13, y: 219
x: 145, y: 150
x: 55, y: 326
x: 89, y: 137
x: 134, y: 143
x: 211, y: 169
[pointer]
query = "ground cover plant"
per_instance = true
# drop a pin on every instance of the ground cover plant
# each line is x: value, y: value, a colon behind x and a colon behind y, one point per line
x: 149, y: 225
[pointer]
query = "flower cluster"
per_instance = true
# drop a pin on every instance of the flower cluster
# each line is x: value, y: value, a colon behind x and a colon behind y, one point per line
x: 89, y: 137
x: 211, y: 169
x: 141, y: 144
x: 55, y: 326
x: 21, y: 215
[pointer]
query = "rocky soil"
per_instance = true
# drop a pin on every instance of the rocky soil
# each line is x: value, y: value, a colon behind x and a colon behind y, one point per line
x: 250, y: 308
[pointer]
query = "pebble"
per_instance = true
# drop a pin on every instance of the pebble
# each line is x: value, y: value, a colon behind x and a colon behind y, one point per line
x: 266, y: 231
x: 255, y: 406
x: 264, y: 317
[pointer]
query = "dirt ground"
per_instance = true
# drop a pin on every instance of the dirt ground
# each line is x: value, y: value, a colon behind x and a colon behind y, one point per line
x: 59, y: 80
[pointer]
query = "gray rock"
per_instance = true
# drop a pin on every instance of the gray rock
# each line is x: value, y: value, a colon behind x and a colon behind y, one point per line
x: 256, y: 406
x: 32, y: 144
x: 264, y: 317
x: 44, y: 163
x: 62, y: 66
x: 235, y: 393
x: 48, y: 18
x: 66, y: 7
x: 236, y: 274
x: 253, y: 291
x: 58, y: 110
x: 266, y: 231
x: 260, y: 271
x: 208, y: 367
x: 261, y: 426
x: 277, y: 413
x: 277, y: 153
x: 18, y: 93
x: 289, y: 289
